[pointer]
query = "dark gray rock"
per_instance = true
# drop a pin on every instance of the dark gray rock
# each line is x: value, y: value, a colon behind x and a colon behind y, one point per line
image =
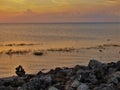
x: 6, y: 88
x: 114, y: 78
x: 118, y: 65
x: 104, y: 87
x: 75, y: 84
x: 83, y: 87
x: 94, y: 64
x: 52, y: 88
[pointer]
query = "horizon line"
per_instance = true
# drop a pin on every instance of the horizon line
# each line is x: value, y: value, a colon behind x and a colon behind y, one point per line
x: 58, y: 22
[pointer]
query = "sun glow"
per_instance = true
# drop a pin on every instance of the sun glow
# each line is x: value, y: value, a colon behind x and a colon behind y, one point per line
x: 18, y: 0
x: 57, y: 10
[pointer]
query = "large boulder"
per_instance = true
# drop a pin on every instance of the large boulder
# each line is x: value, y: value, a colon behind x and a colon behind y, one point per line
x: 94, y: 64
x: 99, y: 69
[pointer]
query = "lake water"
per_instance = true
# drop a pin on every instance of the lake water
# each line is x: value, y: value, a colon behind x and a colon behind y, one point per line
x: 79, y: 36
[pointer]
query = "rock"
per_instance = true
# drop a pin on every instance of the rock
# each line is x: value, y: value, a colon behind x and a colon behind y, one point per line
x: 114, y: 78
x: 82, y: 75
x: 104, y: 87
x: 53, y: 88
x: 118, y: 86
x: 111, y: 70
x: 38, y: 53
x: 18, y: 83
x: 83, y: 87
x: 7, y: 83
x: 94, y: 64
x: 1, y: 82
x: 33, y: 85
x: 6, y: 88
x: 20, y: 71
x: 99, y: 69
x: 46, y: 78
x: 112, y: 65
x: 99, y: 73
x: 118, y: 65
x: 75, y: 84
x: 19, y: 88
x: 92, y: 79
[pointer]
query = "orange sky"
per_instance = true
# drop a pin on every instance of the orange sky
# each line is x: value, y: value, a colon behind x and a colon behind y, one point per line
x: 59, y: 10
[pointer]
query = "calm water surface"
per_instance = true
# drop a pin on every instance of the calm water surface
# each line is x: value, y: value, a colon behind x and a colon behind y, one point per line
x: 46, y: 36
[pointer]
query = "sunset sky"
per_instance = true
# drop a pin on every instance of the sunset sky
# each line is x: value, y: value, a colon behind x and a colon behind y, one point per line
x: 59, y: 11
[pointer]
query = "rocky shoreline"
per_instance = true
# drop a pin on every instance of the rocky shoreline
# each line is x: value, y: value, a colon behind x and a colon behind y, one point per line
x: 95, y: 76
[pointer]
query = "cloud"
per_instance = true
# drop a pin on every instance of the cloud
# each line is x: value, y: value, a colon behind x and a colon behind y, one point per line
x: 28, y: 12
x: 59, y: 10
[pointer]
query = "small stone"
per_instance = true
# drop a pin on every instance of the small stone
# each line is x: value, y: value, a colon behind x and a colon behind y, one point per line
x: 19, y: 88
x: 53, y: 88
x: 83, y: 87
x: 75, y: 84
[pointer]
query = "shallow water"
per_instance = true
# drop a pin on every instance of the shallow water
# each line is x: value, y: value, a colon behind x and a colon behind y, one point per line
x: 47, y: 36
